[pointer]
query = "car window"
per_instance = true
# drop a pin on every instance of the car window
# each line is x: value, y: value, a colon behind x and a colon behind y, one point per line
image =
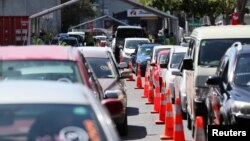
x: 217, y: 47
x: 133, y: 44
x: 39, y: 122
x: 242, y: 71
x: 157, y: 53
x: 176, y: 59
x: 102, y: 67
x: 162, y: 57
x: 54, y: 70
x: 146, y: 51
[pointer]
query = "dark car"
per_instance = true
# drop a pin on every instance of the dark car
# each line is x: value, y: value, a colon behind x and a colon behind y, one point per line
x: 111, y: 78
x: 228, y: 101
x: 123, y: 32
x: 141, y: 55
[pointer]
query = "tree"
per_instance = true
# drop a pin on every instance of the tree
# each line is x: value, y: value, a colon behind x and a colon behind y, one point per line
x: 242, y: 10
x: 74, y: 14
x: 197, y: 8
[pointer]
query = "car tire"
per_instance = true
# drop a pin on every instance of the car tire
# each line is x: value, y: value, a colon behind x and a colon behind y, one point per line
x: 189, y: 122
x: 123, y: 128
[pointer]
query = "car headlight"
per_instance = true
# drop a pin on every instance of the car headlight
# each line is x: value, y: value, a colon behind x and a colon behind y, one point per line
x: 201, y: 93
x: 238, y: 107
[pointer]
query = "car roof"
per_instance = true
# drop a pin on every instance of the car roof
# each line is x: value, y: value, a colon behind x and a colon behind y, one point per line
x: 221, y: 32
x: 136, y: 39
x: 48, y: 92
x: 96, y: 52
x: 163, y: 52
x: 38, y: 52
x: 132, y: 27
x: 179, y: 49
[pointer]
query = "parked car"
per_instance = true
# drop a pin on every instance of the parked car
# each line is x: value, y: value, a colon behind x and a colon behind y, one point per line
x: 107, y: 71
x: 207, y: 46
x: 176, y: 56
x: 79, y: 35
x: 52, y: 63
x: 130, y: 45
x: 65, y: 40
x: 229, y: 88
x: 47, y: 110
x: 141, y: 56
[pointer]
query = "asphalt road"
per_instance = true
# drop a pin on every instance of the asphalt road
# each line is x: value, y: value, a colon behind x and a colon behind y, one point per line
x: 141, y: 122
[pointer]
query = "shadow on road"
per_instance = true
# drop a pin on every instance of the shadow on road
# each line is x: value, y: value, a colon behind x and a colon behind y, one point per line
x: 132, y: 111
x: 135, y: 132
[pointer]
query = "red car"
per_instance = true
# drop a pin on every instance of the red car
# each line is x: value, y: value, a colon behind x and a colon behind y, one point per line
x: 52, y: 63
x: 162, y: 57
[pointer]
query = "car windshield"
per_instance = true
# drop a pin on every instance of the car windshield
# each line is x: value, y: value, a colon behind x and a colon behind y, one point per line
x: 216, y: 47
x: 146, y: 51
x: 69, y: 41
x: 50, y: 122
x: 242, y: 71
x: 53, y: 70
x: 176, y: 59
x: 133, y: 44
x: 102, y: 67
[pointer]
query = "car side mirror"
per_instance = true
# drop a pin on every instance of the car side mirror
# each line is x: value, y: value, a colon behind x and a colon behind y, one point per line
x: 123, y: 65
x: 213, y: 80
x: 113, y: 105
x: 125, y: 74
x: 187, y: 64
x: 177, y: 73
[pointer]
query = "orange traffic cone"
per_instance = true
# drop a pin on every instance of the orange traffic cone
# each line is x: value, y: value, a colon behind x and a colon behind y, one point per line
x: 131, y: 78
x: 215, y: 104
x: 178, y: 126
x: 157, y: 96
x: 199, y: 134
x: 146, y: 89
x: 163, y: 103
x: 150, y: 93
x: 169, y: 119
x: 138, y: 80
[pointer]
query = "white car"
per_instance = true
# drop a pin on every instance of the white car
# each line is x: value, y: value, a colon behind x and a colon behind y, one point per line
x: 176, y: 56
x: 130, y: 45
x: 41, y: 110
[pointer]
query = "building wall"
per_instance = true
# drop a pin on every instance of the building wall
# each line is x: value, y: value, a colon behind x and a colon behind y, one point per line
x: 115, y: 6
x: 30, y: 7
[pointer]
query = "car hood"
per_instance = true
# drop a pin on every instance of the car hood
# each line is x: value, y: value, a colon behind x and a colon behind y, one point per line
x: 141, y: 58
x: 107, y: 83
x: 241, y: 94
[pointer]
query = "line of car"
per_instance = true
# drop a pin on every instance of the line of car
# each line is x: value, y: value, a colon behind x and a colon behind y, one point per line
x: 52, y: 66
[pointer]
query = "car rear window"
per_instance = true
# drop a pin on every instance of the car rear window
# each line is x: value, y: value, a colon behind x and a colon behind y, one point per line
x: 53, y: 122
x: 129, y: 32
x: 54, y: 70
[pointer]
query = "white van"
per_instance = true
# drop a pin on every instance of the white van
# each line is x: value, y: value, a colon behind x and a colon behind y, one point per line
x: 207, y: 46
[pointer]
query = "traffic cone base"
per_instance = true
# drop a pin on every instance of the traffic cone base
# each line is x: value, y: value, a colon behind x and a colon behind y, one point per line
x: 159, y: 122
x: 163, y: 137
x: 154, y: 112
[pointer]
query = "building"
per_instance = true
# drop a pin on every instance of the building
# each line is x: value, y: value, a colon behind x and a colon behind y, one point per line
x: 14, y: 19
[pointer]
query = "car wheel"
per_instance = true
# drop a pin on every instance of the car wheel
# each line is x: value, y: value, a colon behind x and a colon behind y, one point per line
x: 189, y: 122
x: 123, y: 128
